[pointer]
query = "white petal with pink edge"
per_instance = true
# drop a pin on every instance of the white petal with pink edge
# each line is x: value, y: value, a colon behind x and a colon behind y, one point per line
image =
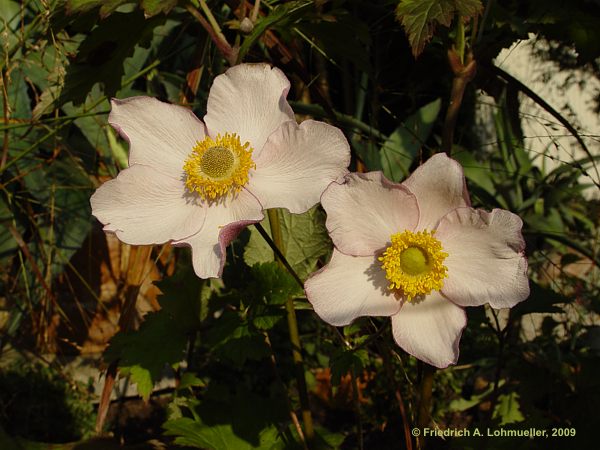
x: 297, y: 163
x: 250, y: 100
x: 439, y: 185
x: 143, y: 206
x: 224, y: 220
x: 486, y: 262
x: 350, y: 287
x: 364, y: 211
x: 160, y: 135
x: 430, y: 329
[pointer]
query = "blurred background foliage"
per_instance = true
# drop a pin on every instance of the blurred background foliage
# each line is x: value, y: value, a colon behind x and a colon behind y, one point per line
x: 212, y: 358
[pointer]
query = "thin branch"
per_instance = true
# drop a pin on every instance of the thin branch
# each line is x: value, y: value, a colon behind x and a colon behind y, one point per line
x: 463, y: 74
x: 294, y: 338
x: 278, y: 253
x: 425, y: 390
x: 215, y: 34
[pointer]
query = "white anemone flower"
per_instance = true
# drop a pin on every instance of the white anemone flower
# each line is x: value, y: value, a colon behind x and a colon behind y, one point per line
x: 199, y: 184
x: 417, y: 252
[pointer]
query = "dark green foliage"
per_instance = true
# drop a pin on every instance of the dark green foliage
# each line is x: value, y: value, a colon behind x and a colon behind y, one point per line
x: 163, y: 336
x: 39, y: 404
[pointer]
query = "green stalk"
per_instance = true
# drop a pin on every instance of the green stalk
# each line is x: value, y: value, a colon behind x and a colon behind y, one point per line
x: 294, y: 336
x: 460, y: 38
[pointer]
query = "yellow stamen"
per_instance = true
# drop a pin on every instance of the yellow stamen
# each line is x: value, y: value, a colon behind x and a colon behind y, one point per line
x: 219, y: 167
x: 413, y: 263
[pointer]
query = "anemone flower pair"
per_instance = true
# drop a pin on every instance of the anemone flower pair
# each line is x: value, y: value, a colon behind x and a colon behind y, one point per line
x: 199, y: 183
x: 419, y: 253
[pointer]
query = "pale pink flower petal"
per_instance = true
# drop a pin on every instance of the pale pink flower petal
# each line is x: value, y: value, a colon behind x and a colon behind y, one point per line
x: 349, y: 287
x: 224, y: 220
x: 160, y: 135
x: 430, y: 329
x: 364, y: 211
x: 143, y: 206
x: 439, y: 185
x: 250, y: 100
x: 486, y: 261
x: 297, y: 163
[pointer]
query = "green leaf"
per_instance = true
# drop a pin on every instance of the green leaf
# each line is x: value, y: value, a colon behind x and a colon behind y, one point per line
x: 507, y: 409
x: 347, y: 361
x: 403, y: 145
x: 64, y: 189
x: 106, y: 6
x: 162, y: 337
x: 117, y: 149
x: 463, y: 404
x: 269, y: 289
x: 420, y: 17
x: 475, y: 171
x: 305, y: 241
x: 143, y: 354
x: 7, y: 243
x: 233, y: 340
x: 468, y: 8
x: 101, y: 55
x: 188, y: 380
x: 240, y: 421
x: 272, y: 283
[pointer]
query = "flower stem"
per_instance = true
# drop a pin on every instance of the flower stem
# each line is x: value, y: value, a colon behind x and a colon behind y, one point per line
x: 294, y: 335
x: 386, y: 354
x: 463, y: 67
x: 426, y: 390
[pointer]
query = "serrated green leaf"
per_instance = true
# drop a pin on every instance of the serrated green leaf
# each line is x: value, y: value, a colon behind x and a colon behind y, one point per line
x: 468, y: 8
x: 305, y: 241
x: 272, y: 284
x: 347, y: 361
x: 266, y: 292
x: 232, y: 339
x: 403, y: 145
x: 241, y: 421
x: 143, y: 354
x: 508, y: 409
x: 142, y: 377
x: 188, y: 379
x: 420, y: 18
x: 162, y: 338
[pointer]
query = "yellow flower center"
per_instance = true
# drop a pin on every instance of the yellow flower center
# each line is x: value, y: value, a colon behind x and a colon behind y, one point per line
x: 413, y: 263
x: 219, y: 167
